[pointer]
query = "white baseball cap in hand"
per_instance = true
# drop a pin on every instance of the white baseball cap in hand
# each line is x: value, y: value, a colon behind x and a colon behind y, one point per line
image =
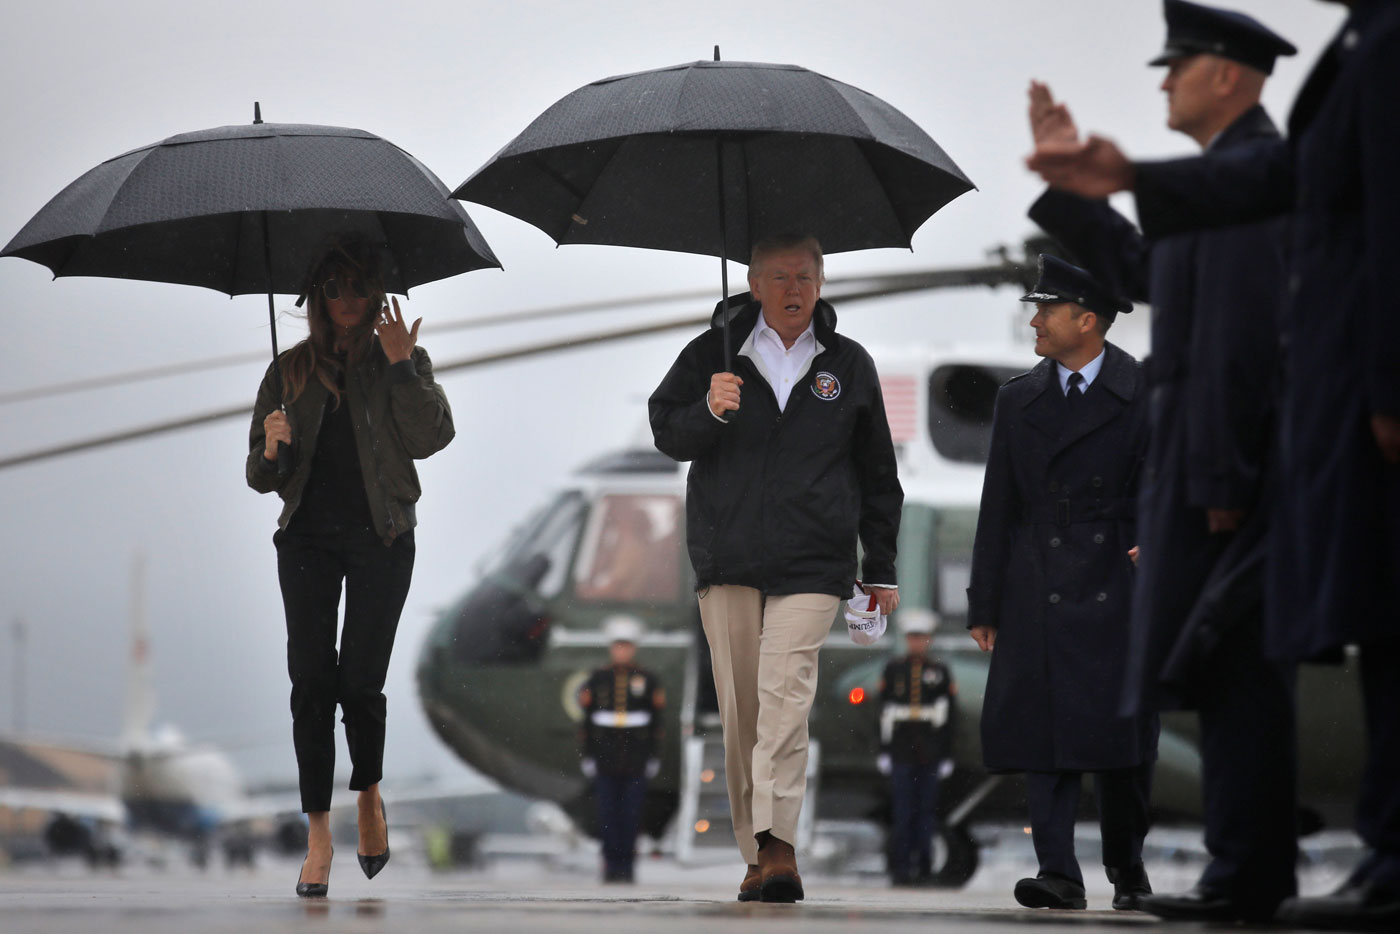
x: 864, y: 621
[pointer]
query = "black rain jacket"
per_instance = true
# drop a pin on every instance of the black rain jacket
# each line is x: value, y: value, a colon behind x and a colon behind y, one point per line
x: 775, y: 500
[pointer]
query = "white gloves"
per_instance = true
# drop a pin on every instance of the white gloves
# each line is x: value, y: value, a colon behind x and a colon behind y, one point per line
x: 653, y: 767
x: 589, y: 767
x: 945, y: 768
x: 882, y: 762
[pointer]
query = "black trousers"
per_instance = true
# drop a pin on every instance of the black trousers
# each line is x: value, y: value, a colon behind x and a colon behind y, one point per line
x: 1378, y: 800
x: 1122, y: 796
x: 1249, y: 758
x: 620, y: 799
x: 312, y: 569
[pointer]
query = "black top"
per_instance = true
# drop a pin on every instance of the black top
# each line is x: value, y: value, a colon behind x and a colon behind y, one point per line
x: 334, y: 499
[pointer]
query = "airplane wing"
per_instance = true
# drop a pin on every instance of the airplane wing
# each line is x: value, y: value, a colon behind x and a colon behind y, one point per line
x: 98, y: 807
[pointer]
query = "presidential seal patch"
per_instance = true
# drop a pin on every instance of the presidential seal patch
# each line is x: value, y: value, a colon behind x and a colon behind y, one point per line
x: 825, y: 386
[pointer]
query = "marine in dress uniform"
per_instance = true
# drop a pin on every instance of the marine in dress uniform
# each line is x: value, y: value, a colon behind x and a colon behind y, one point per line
x: 917, y: 698
x: 1203, y: 517
x: 1051, y: 588
x: 621, y: 733
x: 1334, y: 557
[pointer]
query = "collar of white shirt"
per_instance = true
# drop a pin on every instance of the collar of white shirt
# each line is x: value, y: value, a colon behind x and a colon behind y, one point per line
x: 1088, y: 371
x: 765, y: 348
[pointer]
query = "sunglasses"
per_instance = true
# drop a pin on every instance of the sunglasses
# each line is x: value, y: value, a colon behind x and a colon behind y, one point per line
x: 332, y: 288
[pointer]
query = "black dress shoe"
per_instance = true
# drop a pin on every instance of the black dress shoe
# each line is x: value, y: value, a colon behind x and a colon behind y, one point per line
x: 1048, y: 890
x: 1359, y: 905
x: 375, y: 862
x: 1130, y: 886
x: 313, y: 889
x: 1205, y: 904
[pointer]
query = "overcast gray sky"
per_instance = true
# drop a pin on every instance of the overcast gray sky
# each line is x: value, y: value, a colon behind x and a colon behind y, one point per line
x: 450, y: 83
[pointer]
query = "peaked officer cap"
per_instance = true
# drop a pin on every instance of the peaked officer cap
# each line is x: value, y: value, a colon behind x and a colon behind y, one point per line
x: 1059, y: 281
x: 917, y: 621
x: 623, y: 629
x: 1193, y: 29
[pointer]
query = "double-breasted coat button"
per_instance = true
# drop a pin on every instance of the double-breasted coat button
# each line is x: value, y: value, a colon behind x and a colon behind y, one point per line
x: 1054, y: 486
x: 1098, y: 538
x: 1101, y: 597
x: 1054, y: 543
x: 1054, y: 598
x: 1097, y: 481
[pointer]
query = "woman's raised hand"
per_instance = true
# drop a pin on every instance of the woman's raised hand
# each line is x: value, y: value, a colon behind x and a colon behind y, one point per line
x: 394, y: 336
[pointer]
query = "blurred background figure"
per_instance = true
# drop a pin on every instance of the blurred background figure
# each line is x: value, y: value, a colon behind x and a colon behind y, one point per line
x: 621, y: 734
x: 917, y: 702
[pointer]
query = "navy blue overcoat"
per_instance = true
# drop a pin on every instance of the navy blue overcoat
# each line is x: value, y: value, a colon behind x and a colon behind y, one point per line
x: 1335, y: 559
x: 1216, y: 297
x: 1050, y: 570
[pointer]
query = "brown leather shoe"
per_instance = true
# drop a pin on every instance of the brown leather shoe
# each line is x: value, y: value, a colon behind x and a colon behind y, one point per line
x: 777, y: 865
x: 748, y: 889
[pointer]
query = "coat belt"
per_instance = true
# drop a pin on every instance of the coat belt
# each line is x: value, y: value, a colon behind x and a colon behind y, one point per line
x: 632, y: 718
x: 1069, y: 512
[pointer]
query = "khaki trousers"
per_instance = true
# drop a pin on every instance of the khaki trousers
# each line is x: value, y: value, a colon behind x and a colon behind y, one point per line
x: 764, y: 655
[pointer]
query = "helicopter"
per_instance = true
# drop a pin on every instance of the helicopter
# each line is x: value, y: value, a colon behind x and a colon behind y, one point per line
x: 498, y: 671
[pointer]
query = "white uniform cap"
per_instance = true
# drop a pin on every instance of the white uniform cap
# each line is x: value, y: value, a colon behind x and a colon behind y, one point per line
x: 918, y: 621
x: 623, y: 629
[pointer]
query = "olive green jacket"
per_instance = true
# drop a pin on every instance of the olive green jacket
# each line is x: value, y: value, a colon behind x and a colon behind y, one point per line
x: 399, y: 415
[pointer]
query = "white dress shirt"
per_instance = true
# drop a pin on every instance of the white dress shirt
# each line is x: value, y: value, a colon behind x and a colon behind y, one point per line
x: 783, y: 367
x: 1088, y: 371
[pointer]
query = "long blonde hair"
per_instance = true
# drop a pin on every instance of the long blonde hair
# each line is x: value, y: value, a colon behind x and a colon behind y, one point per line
x: 345, y: 257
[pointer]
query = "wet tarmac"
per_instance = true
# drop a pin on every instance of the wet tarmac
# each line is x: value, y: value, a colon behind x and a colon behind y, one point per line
x: 521, y: 897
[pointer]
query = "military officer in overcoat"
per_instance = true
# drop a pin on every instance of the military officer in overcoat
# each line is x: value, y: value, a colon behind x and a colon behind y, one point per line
x: 917, y: 700
x: 621, y: 737
x: 1335, y: 552
x: 1051, y: 587
x: 1197, y: 636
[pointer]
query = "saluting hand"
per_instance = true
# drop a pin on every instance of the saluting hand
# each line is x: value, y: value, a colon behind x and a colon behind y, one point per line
x: 724, y: 393
x: 394, y: 336
x: 275, y: 428
x: 1050, y: 122
x: 1094, y: 168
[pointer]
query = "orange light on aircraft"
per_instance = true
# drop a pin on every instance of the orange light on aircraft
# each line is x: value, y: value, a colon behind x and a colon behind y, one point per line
x: 857, y: 695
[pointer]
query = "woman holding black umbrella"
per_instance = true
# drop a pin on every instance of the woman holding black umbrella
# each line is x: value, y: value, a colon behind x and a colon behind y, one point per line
x: 361, y: 405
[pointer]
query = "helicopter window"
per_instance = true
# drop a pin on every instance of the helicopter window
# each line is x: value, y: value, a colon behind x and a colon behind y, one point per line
x: 537, y: 557
x: 631, y: 552
x: 954, y: 531
x: 961, y: 399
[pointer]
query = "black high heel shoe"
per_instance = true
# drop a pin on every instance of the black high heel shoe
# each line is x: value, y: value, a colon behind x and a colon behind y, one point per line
x: 313, y: 889
x: 372, y: 864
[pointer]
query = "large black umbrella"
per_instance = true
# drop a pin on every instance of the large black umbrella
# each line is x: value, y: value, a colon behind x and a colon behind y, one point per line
x: 708, y: 157
x: 245, y: 209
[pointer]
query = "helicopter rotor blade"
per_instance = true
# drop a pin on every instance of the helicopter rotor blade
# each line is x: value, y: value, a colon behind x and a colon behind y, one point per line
x: 848, y: 290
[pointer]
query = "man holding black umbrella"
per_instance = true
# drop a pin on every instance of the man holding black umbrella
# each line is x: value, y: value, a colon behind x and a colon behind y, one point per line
x: 792, y: 462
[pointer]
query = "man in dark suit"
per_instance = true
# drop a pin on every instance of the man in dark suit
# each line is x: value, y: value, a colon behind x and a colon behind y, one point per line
x: 1197, y: 636
x: 1051, y: 588
x: 1334, y: 568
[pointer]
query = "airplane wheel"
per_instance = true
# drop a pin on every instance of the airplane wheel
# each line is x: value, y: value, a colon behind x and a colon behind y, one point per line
x: 961, y: 860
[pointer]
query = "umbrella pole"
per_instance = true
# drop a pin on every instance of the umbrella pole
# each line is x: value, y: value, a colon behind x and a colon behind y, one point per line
x: 284, y: 450
x: 723, y: 254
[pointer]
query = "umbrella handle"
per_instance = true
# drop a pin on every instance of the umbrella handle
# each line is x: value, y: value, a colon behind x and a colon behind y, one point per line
x: 284, y: 458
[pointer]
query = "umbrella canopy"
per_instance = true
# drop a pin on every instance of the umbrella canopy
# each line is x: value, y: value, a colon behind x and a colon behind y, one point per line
x: 245, y: 209
x: 657, y: 159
